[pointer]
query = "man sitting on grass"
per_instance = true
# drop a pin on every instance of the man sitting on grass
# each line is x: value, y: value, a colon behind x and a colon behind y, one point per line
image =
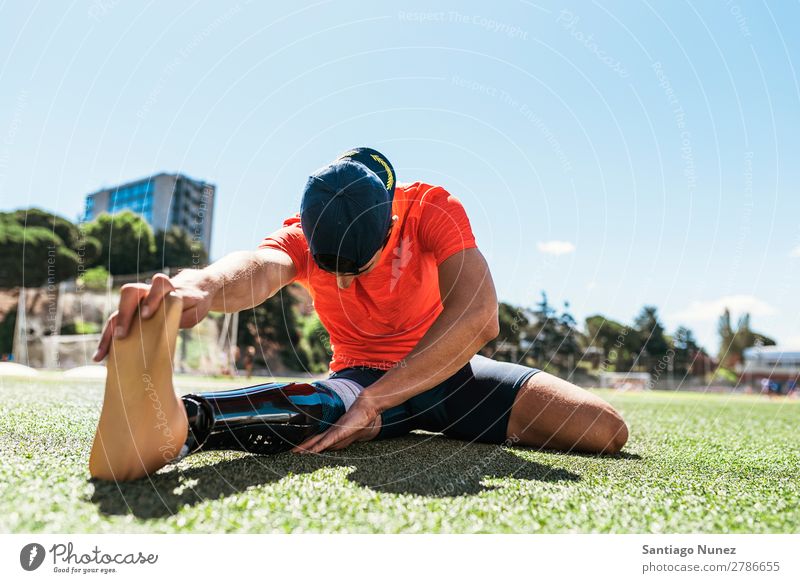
x: 408, y: 299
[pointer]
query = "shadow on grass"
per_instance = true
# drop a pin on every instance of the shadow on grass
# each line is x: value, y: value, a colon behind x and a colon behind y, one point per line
x: 419, y: 464
x: 623, y: 455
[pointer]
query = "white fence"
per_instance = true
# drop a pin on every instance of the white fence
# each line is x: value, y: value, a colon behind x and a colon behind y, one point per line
x: 45, y: 314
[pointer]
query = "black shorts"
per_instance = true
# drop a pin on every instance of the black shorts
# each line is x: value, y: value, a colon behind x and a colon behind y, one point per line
x: 474, y: 404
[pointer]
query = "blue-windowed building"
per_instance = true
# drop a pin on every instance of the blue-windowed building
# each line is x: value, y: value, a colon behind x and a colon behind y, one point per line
x: 164, y: 200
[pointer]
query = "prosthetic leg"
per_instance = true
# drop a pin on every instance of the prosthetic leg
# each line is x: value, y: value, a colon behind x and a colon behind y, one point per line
x: 262, y: 419
x: 144, y: 425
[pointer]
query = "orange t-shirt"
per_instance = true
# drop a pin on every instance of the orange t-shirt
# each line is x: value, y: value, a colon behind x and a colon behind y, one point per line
x: 382, y: 316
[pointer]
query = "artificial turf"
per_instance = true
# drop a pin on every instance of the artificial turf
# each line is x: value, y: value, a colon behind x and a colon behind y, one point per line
x: 694, y: 463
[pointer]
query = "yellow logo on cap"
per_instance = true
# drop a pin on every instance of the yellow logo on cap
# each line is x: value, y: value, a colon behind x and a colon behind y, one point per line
x: 379, y: 160
x: 383, y: 163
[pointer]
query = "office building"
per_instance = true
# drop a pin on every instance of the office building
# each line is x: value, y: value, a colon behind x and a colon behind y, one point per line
x: 164, y: 200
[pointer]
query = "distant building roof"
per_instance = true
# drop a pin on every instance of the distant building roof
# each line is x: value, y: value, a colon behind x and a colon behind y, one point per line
x: 147, y: 179
x: 771, y: 352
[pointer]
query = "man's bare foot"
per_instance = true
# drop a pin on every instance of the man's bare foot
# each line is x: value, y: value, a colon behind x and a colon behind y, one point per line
x: 143, y: 423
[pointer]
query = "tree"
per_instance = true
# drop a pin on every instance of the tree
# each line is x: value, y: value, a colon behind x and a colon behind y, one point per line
x: 7, y: 328
x: 33, y: 256
x: 175, y: 248
x: 95, y: 278
x: 571, y: 339
x: 726, y: 338
x: 686, y: 349
x: 543, y: 332
x: 555, y: 339
x: 747, y: 337
x: 653, y: 346
x: 733, y: 342
x: 34, y: 252
x: 315, y: 344
x: 607, y: 335
x: 273, y: 328
x: 87, y: 248
x: 128, y: 244
x: 506, y: 346
x: 620, y: 344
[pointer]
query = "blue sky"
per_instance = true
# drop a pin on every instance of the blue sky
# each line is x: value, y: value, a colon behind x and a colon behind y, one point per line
x: 615, y: 154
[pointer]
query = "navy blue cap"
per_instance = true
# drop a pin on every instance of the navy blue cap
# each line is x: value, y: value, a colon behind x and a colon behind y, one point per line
x: 346, y: 210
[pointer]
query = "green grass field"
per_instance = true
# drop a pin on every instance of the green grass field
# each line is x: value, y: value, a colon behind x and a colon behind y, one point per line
x: 694, y: 463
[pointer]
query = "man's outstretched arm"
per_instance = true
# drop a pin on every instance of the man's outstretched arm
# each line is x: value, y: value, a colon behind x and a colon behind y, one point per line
x: 467, y: 322
x: 238, y: 281
x: 244, y: 279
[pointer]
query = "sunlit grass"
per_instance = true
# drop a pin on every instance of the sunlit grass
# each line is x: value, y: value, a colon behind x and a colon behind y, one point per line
x: 694, y: 463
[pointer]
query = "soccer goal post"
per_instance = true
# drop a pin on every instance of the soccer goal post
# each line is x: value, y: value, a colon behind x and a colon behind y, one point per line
x: 626, y: 381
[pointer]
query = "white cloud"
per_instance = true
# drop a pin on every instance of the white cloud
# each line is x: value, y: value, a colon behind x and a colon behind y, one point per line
x: 704, y: 311
x: 795, y: 252
x: 555, y: 247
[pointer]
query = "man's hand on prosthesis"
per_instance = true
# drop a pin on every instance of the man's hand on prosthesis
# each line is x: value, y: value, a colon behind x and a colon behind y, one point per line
x: 189, y: 285
x: 360, y: 423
